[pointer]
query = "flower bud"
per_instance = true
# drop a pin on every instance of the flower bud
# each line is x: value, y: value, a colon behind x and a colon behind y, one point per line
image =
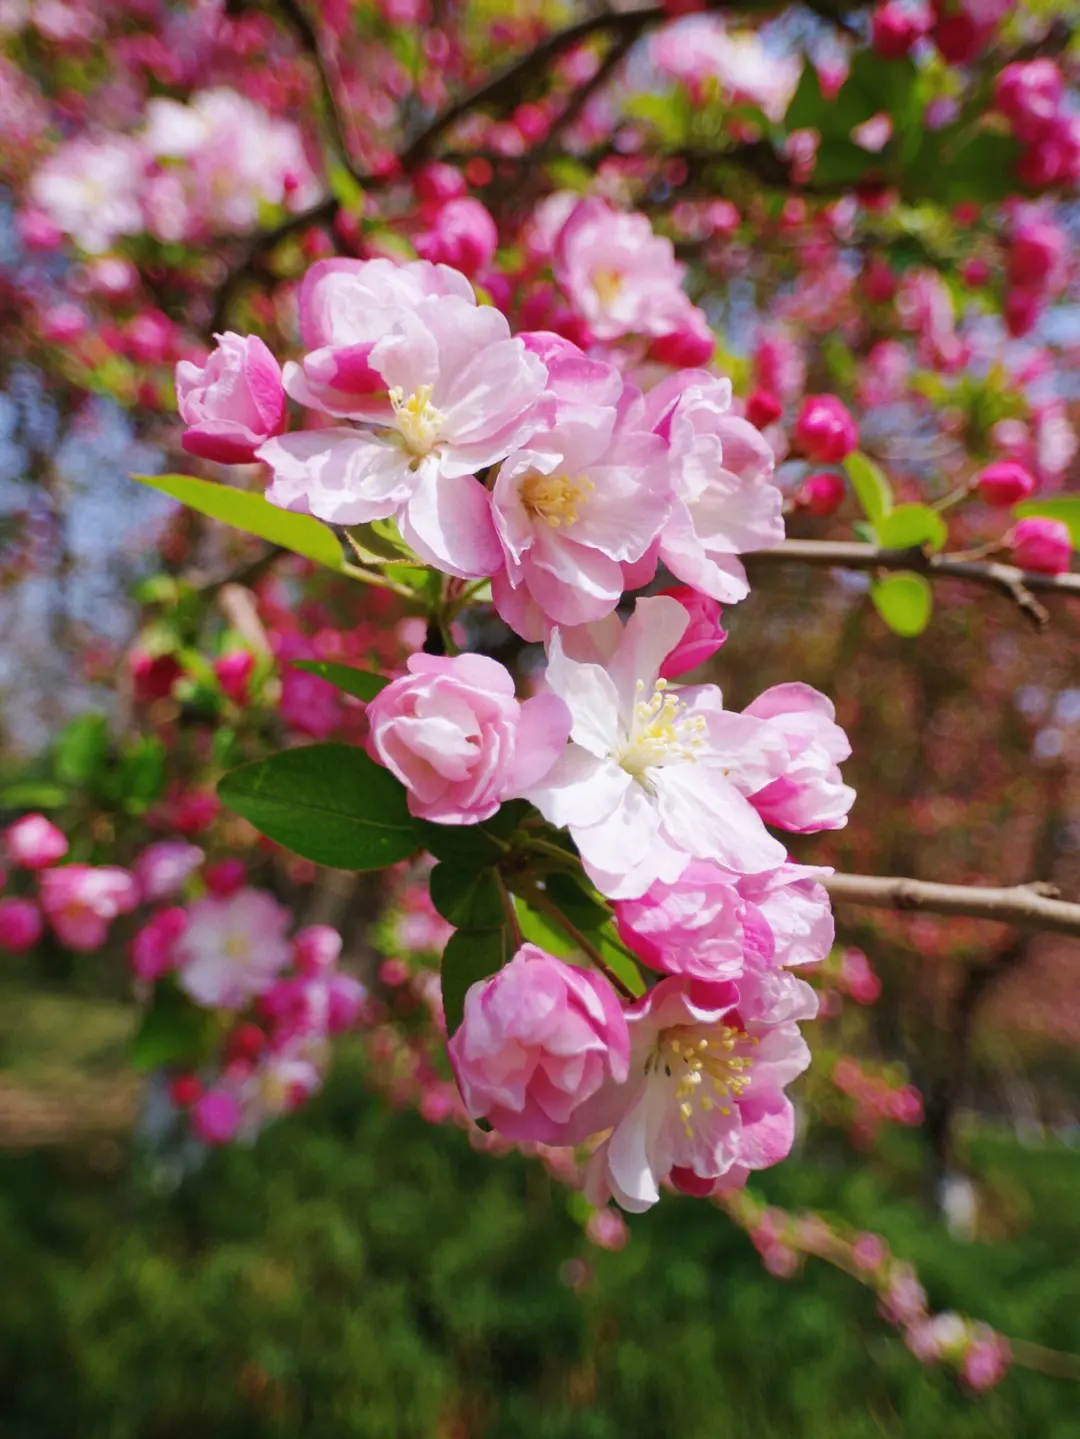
x: 233, y: 403
x: 702, y: 637
x: 822, y: 494
x: 216, y: 1117
x: 1005, y: 483
x: 21, y: 925
x: 762, y: 408
x: 825, y: 429
x: 1041, y: 545
x: 34, y: 842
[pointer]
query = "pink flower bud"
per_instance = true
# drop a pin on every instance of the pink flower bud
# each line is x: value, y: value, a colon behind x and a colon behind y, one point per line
x: 225, y: 877
x: 1022, y: 310
x: 346, y: 996
x: 822, y: 494
x: 702, y: 637
x: 1041, y: 545
x: 825, y: 429
x: 463, y: 235
x: 437, y: 183
x: 163, y: 868
x: 152, y: 952
x: 692, y: 344
x: 21, y: 925
x: 233, y: 403
x: 316, y: 949
x: 63, y: 324
x: 538, y: 1040
x: 153, y: 676
x: 81, y: 901
x: 894, y: 30
x: 233, y: 672
x: 762, y: 408
x: 36, y: 231
x: 1036, y: 255
x: 1029, y: 95
x: 185, y: 1090
x: 1004, y: 483
x: 34, y: 842
x: 216, y: 1117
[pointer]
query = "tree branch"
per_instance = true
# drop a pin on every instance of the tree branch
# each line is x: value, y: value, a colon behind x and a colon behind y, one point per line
x: 1027, y: 906
x: 1016, y: 584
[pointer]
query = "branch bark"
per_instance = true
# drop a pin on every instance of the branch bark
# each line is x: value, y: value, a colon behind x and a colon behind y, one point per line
x: 1018, y: 585
x: 1027, y: 906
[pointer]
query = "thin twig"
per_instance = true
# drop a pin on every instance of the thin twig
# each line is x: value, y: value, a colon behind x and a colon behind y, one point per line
x: 1027, y: 906
x: 539, y: 900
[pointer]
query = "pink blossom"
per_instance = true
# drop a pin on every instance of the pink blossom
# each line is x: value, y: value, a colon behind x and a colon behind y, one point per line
x: 441, y: 389
x: 1042, y: 545
x: 692, y: 344
x: 225, y: 877
x: 90, y: 189
x: 705, y: 1090
x: 986, y: 1360
x: 536, y: 1042
x: 462, y: 235
x: 693, y: 926
x: 811, y: 794
x: 36, y: 231
x: 163, y: 868
x: 607, y: 1229
x: 794, y: 905
x: 702, y: 637
x: 822, y: 494
x: 695, y: 51
x: 153, y: 948
x: 869, y: 1252
x: 21, y: 925
x: 895, y: 29
x: 34, y: 842
x: 455, y: 736
x: 81, y: 901
x: 234, y: 403
x: 721, y: 468
x: 825, y: 429
x: 1037, y: 254
x: 582, y: 500
x: 621, y: 278
x: 233, y: 672
x: 763, y: 408
x: 655, y: 777
x: 316, y: 949
x: 1005, y: 483
x: 1029, y: 93
x: 232, y: 948
x: 216, y: 1116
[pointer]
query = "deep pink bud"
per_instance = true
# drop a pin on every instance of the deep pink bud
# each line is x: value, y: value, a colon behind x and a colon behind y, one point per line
x: 463, y: 235
x: 225, y: 877
x: 316, y: 949
x: 1029, y: 95
x: 37, y: 232
x: 216, y: 1117
x: 153, y: 676
x: 437, y: 183
x: 762, y: 408
x: 893, y: 30
x: 152, y: 952
x: 233, y: 672
x: 21, y: 925
x: 1042, y: 545
x: 1036, y: 255
x: 185, y: 1090
x: 1005, y: 483
x: 702, y: 637
x: 692, y: 344
x: 34, y: 842
x: 822, y: 494
x: 825, y: 429
x: 1021, y: 310
x: 233, y: 403
x: 163, y: 868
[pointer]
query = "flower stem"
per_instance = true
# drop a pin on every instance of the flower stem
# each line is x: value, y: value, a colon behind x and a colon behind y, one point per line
x: 539, y: 900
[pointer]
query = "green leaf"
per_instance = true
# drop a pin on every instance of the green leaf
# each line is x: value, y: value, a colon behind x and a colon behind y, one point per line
x: 173, y: 1031
x: 1066, y: 509
x: 507, y: 818
x: 470, y: 956
x: 467, y: 898
x: 475, y: 846
x: 910, y: 525
x: 871, y: 485
x: 81, y: 750
x: 327, y: 802
x: 34, y: 794
x: 543, y: 930
x: 361, y: 684
x: 140, y: 778
x: 584, y: 910
x: 254, y: 515
x: 904, y: 601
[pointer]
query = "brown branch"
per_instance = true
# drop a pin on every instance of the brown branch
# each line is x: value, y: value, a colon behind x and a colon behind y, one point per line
x: 304, y: 29
x: 617, y: 52
x: 1016, y: 584
x: 1027, y: 906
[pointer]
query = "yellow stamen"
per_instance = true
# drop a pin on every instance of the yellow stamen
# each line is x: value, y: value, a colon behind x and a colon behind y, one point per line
x: 417, y: 419
x: 553, y: 498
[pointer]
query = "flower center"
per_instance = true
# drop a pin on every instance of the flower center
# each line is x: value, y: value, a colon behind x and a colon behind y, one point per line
x: 237, y: 946
x: 659, y: 732
x: 706, y: 1071
x: 553, y: 498
x: 417, y: 419
x: 608, y: 285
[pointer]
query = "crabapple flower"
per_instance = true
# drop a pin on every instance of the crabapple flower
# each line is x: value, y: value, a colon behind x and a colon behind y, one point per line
x: 453, y: 733
x: 153, y: 948
x: 81, y: 901
x: 721, y: 468
x: 821, y: 494
x: 462, y: 235
x: 34, y: 842
x: 654, y: 777
x: 621, y: 278
x: 216, y: 1116
x: 441, y: 390
x: 91, y: 190
x: 702, y: 637
x: 163, y: 868
x: 233, y: 403
x: 232, y: 948
x: 1042, y: 545
x: 810, y: 795
x: 579, y: 502
x: 705, y: 1091
x: 1005, y: 483
x: 21, y: 925
x: 825, y: 430
x: 537, y: 1041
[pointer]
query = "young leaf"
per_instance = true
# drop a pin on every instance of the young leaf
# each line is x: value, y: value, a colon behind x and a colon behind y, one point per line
x: 361, y: 684
x: 910, y: 525
x: 327, y: 802
x: 871, y: 485
x: 904, y: 601
x: 470, y: 955
x: 1066, y: 509
x: 81, y: 750
x: 254, y: 515
x: 467, y: 898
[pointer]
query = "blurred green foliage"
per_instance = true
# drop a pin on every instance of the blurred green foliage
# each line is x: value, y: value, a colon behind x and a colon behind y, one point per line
x: 359, y: 1273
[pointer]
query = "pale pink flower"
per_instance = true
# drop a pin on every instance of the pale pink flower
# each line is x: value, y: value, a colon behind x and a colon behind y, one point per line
x: 453, y: 733
x: 90, y: 189
x: 34, y: 842
x: 810, y: 795
x: 795, y: 905
x: 655, y: 777
x: 693, y: 926
x: 442, y: 391
x: 621, y: 278
x: 705, y: 1093
x: 233, y: 403
x: 721, y: 468
x: 580, y: 501
x: 81, y: 901
x: 232, y: 948
x: 536, y: 1042
x: 165, y: 867
x: 701, y: 48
